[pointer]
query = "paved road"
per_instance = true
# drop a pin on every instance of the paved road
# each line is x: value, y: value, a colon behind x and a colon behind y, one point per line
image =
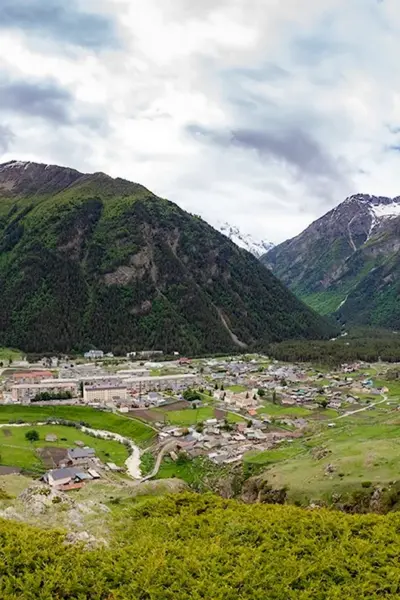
x: 353, y: 412
x: 164, y: 450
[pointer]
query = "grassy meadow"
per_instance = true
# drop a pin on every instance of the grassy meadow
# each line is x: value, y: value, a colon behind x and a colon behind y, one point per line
x: 17, y: 451
x: 141, y: 433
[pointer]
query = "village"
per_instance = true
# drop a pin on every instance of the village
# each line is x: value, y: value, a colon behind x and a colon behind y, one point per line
x: 218, y: 408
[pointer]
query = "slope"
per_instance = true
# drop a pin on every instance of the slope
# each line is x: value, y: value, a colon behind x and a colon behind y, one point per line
x: 191, y: 547
x: 87, y: 260
x: 347, y: 262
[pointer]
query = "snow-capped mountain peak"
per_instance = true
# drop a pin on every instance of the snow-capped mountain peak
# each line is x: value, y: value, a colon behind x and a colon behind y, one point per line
x: 245, y: 240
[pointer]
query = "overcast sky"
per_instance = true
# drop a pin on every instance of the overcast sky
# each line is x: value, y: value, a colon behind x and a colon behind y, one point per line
x: 262, y: 113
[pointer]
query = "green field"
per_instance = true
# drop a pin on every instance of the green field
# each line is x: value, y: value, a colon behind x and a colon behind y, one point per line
x: 190, y: 416
x: 132, y: 428
x: 16, y: 451
x: 237, y: 388
x: 364, y: 447
x: 277, y: 410
x: 7, y: 354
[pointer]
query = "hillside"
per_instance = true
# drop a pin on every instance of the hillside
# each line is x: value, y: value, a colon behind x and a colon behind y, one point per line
x: 194, y: 547
x: 347, y: 262
x: 87, y: 260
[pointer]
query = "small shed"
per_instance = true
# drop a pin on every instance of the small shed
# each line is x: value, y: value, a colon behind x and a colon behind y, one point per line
x: 51, y: 437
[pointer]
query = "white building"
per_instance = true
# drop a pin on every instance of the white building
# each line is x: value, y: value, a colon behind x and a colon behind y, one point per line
x: 93, y: 354
x: 26, y: 392
x: 164, y: 382
x: 104, y: 394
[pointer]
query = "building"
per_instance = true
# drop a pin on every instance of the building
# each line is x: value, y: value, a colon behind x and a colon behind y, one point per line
x: 93, y: 354
x: 77, y: 455
x: 31, y: 376
x: 104, y: 394
x: 142, y: 385
x: 26, y: 392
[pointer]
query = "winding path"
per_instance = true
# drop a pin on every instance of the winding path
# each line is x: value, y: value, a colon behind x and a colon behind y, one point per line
x: 353, y: 412
x: 163, y: 451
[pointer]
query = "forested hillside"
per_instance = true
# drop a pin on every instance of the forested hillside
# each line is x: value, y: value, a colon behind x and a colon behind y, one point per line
x: 87, y: 260
x: 195, y: 547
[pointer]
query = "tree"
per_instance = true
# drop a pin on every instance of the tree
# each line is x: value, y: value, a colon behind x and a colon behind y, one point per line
x: 261, y: 393
x: 274, y: 398
x: 247, y: 395
x: 32, y: 435
x: 324, y: 403
x: 191, y: 395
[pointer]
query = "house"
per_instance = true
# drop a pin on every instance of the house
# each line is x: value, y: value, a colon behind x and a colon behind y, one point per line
x: 57, y: 477
x: 113, y: 467
x: 94, y: 474
x: 80, y: 454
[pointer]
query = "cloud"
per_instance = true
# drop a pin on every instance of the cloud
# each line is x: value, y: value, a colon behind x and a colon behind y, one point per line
x: 6, y: 138
x: 63, y: 21
x: 248, y: 111
x: 45, y: 99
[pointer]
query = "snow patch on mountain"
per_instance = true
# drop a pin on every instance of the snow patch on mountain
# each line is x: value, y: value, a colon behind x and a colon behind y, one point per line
x: 245, y: 240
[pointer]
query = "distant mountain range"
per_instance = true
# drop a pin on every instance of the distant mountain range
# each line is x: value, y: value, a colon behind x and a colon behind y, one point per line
x: 245, y: 240
x: 347, y: 263
x: 92, y: 261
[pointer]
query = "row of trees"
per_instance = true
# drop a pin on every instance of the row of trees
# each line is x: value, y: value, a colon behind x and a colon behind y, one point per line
x: 47, y: 396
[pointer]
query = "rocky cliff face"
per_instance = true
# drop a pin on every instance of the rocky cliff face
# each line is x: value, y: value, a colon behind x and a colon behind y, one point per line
x: 90, y: 260
x: 346, y: 259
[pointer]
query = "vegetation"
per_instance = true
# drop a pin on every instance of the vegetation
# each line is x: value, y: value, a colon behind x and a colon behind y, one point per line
x: 107, y: 264
x: 135, y: 430
x: 361, y: 344
x: 47, y: 396
x: 32, y: 435
x: 190, y: 416
x: 19, y: 446
x: 192, y: 547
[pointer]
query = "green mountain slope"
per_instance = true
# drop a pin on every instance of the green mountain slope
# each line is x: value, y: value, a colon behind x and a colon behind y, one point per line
x: 347, y: 263
x: 194, y: 547
x: 87, y: 260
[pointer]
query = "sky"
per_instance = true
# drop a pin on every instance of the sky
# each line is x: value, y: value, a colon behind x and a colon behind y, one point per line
x: 262, y: 113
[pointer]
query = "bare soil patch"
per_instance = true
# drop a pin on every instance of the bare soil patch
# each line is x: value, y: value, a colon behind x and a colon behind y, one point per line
x: 178, y: 405
x: 52, y: 456
x: 7, y: 432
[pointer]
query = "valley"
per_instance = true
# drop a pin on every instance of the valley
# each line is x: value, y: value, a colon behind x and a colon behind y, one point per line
x: 231, y: 425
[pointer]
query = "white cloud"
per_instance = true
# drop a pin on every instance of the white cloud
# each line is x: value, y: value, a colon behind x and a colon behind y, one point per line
x: 305, y: 101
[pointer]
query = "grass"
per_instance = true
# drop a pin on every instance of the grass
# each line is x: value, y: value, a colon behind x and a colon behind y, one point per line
x: 365, y: 447
x: 9, y: 353
x: 278, y: 410
x: 236, y: 389
x: 141, y: 433
x: 190, y: 416
x: 17, y: 451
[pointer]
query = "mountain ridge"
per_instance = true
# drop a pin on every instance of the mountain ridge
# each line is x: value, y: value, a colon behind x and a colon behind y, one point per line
x: 346, y: 259
x: 88, y: 260
x: 244, y: 240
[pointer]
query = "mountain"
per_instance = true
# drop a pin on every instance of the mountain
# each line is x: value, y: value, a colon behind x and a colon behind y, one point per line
x: 347, y: 262
x: 244, y: 240
x: 92, y: 261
